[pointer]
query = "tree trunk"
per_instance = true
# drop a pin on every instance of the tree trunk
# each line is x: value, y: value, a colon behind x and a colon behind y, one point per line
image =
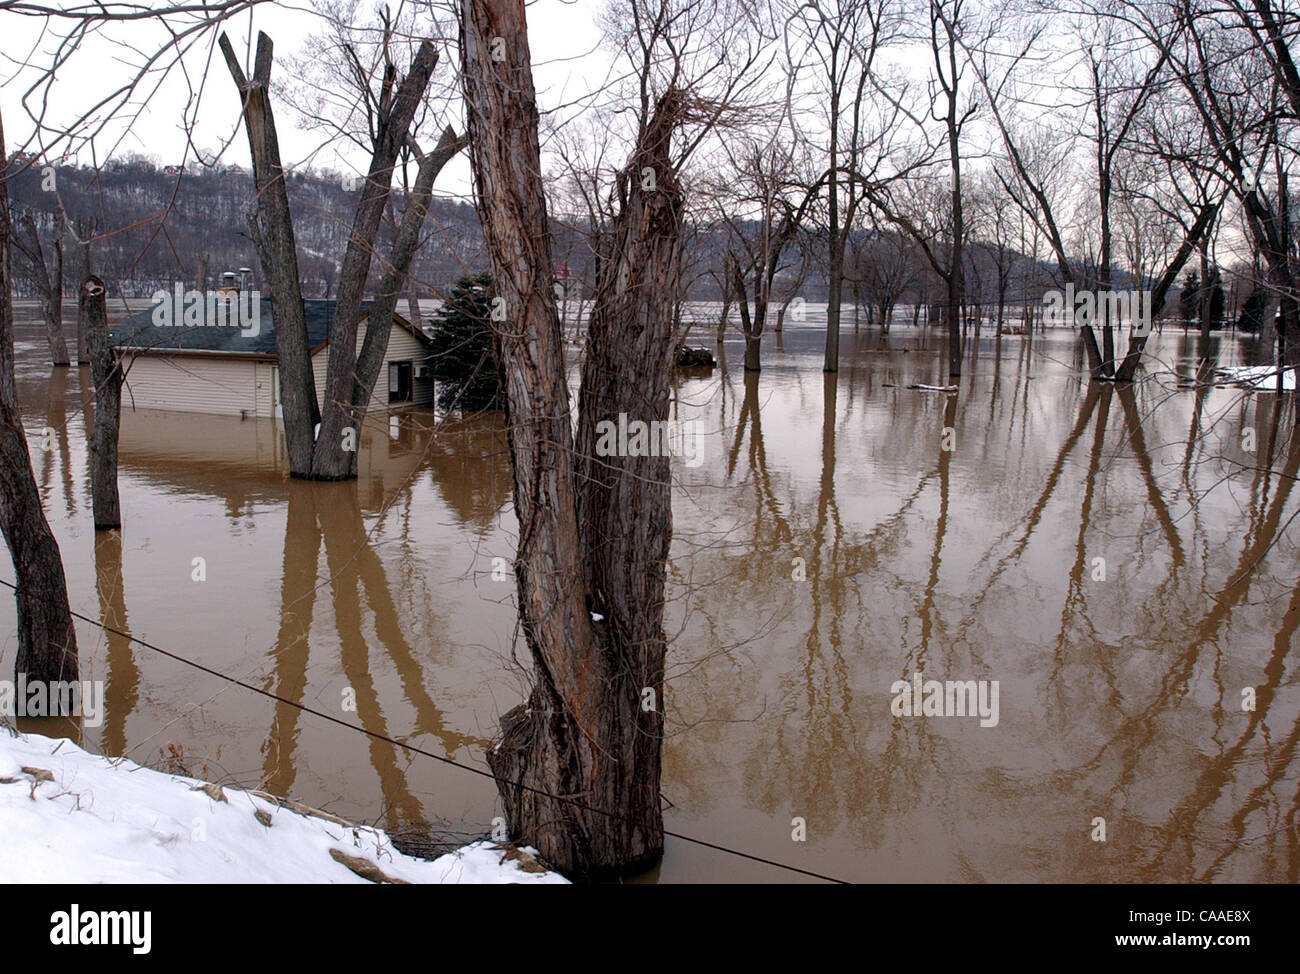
x: 413, y: 304
x: 1206, y: 295
x: 83, y: 350
x: 584, y: 734
x: 379, y: 323
x: 54, y: 310
x: 835, y: 284
x: 271, y: 226
x: 331, y: 460
x: 47, y: 273
x: 106, y: 371
x: 121, y: 674
x: 956, y: 266
x: 47, y: 640
x: 624, y: 503
x: 727, y: 294
x: 1204, y: 219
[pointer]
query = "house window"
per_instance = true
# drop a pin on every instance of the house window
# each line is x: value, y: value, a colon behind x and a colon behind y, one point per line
x: 399, y: 381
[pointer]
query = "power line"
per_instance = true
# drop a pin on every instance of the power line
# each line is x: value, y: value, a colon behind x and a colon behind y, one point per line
x: 428, y: 754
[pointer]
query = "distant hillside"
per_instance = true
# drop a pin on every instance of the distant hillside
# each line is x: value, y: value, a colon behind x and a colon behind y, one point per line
x: 160, y: 224
x: 155, y: 226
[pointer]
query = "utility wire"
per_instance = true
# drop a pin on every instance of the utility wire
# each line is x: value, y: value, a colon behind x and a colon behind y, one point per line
x: 428, y: 754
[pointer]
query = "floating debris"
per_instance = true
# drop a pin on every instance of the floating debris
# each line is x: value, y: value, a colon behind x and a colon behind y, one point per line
x: 695, y: 358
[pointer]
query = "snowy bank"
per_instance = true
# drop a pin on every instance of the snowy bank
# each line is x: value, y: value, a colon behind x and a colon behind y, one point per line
x: 72, y: 817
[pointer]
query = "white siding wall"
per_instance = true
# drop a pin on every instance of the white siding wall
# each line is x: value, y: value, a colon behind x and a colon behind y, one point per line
x: 266, y: 388
x: 197, y: 384
x: 402, y: 347
x: 191, y: 384
x: 319, y: 366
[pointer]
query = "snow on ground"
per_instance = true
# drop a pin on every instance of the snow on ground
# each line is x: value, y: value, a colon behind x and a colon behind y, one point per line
x: 1263, y: 377
x: 67, y: 816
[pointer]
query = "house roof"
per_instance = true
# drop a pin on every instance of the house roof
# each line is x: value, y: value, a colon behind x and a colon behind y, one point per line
x: 140, y: 335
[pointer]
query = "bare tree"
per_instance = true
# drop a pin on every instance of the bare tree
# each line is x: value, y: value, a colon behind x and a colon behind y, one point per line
x: 837, y: 44
x: 1242, y: 84
x: 330, y: 454
x: 578, y: 766
x: 946, y: 28
x: 886, y: 264
x: 47, y: 640
x: 763, y: 200
x: 1114, y: 106
x: 994, y: 223
x: 46, y: 272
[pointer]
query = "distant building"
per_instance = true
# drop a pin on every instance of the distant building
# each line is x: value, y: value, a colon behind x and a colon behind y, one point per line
x: 173, y: 170
x: 217, y: 368
x: 570, y: 286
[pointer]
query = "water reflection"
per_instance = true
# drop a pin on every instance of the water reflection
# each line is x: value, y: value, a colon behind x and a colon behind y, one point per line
x: 361, y: 601
x: 828, y: 546
x: 122, y: 680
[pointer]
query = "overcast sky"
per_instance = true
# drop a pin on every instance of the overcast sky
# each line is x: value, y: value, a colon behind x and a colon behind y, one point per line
x: 569, y: 60
x: 565, y: 41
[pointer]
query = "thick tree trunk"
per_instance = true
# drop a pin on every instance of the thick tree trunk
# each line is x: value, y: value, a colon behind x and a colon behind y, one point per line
x: 271, y: 226
x: 106, y: 371
x: 624, y: 503
x: 1088, y: 335
x: 47, y: 641
x: 534, y: 761
x: 584, y: 734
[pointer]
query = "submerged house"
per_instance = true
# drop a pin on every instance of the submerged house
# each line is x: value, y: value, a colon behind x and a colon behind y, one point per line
x: 216, y: 353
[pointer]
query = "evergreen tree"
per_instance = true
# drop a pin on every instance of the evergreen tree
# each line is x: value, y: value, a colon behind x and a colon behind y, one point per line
x: 1190, y: 297
x: 1252, y: 312
x: 464, y: 355
x: 1218, y: 301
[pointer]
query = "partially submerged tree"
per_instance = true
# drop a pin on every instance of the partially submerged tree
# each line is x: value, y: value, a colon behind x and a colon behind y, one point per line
x: 1111, y: 116
x: 45, y: 270
x: 836, y: 43
x: 350, y: 375
x: 47, y: 640
x: 579, y: 764
x: 763, y: 200
x: 106, y: 371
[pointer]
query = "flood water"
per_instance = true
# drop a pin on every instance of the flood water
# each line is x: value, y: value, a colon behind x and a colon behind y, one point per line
x: 1120, y: 684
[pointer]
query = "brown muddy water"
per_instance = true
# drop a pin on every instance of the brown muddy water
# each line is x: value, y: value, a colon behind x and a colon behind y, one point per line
x: 1120, y: 698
